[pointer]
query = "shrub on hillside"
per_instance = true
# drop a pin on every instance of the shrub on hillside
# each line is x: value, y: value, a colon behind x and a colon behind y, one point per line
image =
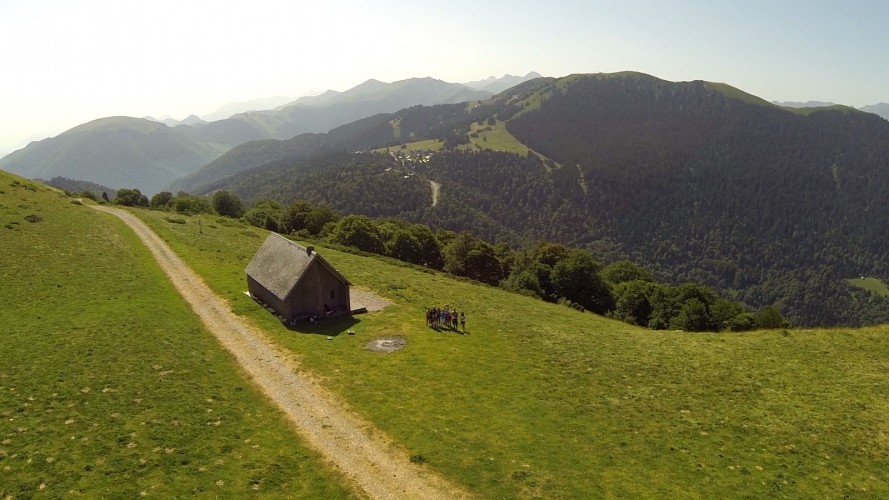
x: 358, y: 231
x: 769, y: 317
x: 130, y: 198
x: 161, y: 200
x: 742, y: 322
x: 227, y: 204
x: 266, y: 214
x: 187, y: 204
x: 89, y: 195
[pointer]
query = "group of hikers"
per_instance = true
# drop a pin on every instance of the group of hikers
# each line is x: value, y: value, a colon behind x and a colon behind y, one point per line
x: 445, y: 318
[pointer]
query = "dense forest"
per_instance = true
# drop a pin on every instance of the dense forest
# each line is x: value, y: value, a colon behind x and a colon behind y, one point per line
x: 574, y: 277
x: 695, y: 181
x: 84, y: 188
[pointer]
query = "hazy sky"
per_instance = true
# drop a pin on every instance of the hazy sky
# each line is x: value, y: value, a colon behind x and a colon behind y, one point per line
x: 65, y: 62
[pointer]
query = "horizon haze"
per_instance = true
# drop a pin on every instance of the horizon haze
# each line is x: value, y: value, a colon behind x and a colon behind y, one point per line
x: 68, y: 65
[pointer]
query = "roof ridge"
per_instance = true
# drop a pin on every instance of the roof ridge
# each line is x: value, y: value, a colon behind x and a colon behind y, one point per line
x: 280, y: 263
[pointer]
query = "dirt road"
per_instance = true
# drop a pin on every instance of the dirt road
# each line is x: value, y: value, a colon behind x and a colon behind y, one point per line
x: 360, y: 451
x: 436, y: 188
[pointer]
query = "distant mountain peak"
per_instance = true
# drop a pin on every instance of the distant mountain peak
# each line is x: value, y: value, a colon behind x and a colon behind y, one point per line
x: 880, y: 109
x: 114, y: 123
x: 234, y: 108
x: 192, y: 120
x: 172, y: 122
x: 371, y: 85
x: 807, y: 104
x: 117, y: 151
x: 496, y: 85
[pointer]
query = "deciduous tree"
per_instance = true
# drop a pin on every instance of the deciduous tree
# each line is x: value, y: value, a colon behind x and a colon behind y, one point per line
x: 227, y: 204
x: 130, y: 198
x: 160, y: 200
x: 360, y: 232
x: 576, y: 278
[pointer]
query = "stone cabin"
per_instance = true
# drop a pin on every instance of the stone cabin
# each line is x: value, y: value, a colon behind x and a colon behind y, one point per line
x: 295, y: 281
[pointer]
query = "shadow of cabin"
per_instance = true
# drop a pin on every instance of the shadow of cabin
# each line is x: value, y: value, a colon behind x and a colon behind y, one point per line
x: 329, y: 327
x: 296, y: 282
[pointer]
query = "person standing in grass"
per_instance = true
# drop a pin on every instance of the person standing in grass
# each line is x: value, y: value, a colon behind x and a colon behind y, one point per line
x: 463, y: 321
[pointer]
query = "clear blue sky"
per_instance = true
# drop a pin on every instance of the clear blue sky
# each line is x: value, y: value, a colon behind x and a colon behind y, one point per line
x: 70, y: 61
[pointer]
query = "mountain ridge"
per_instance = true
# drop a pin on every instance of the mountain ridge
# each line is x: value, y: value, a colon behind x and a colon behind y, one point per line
x: 93, y: 151
x: 698, y: 181
x: 145, y: 166
x: 233, y: 108
x: 496, y: 85
x: 879, y: 109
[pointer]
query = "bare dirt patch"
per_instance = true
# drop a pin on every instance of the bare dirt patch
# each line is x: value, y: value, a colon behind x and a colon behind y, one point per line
x: 387, y: 344
x: 362, y: 297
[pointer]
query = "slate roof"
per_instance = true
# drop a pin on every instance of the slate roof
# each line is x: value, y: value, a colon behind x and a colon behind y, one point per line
x: 280, y: 263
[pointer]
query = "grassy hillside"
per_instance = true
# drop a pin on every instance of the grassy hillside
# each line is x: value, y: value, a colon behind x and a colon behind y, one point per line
x: 116, y: 152
x: 664, y: 172
x: 427, y: 145
x: 495, y: 137
x: 540, y: 400
x: 109, y: 386
x: 873, y: 285
x: 251, y: 153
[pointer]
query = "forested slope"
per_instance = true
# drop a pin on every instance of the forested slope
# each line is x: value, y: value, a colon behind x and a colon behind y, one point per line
x: 698, y: 181
x: 777, y: 205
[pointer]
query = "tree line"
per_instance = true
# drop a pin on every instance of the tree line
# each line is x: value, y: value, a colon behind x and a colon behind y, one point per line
x: 622, y: 290
x: 765, y: 205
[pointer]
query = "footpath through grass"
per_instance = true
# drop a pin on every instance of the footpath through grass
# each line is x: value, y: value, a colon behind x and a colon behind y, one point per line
x: 109, y: 385
x: 538, y: 400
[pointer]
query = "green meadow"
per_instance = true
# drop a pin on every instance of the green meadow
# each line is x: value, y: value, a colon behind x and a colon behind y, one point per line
x: 538, y: 400
x: 495, y: 137
x: 110, y: 386
x: 873, y: 285
x: 427, y: 145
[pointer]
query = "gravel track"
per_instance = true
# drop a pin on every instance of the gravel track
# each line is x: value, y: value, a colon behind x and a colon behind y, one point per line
x: 375, y: 465
x: 436, y: 189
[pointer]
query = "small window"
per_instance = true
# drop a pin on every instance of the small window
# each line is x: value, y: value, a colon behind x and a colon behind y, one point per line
x: 332, y: 295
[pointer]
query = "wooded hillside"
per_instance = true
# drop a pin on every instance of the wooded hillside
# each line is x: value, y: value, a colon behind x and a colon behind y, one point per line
x: 697, y: 181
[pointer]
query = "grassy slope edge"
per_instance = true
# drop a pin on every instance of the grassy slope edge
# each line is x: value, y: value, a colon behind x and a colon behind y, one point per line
x: 873, y: 285
x: 539, y: 400
x: 109, y: 385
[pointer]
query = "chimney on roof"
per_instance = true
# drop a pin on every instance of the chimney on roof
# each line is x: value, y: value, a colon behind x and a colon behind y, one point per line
x: 309, y: 250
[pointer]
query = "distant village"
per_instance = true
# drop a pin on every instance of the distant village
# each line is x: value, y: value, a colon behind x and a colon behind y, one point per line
x: 406, y: 162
